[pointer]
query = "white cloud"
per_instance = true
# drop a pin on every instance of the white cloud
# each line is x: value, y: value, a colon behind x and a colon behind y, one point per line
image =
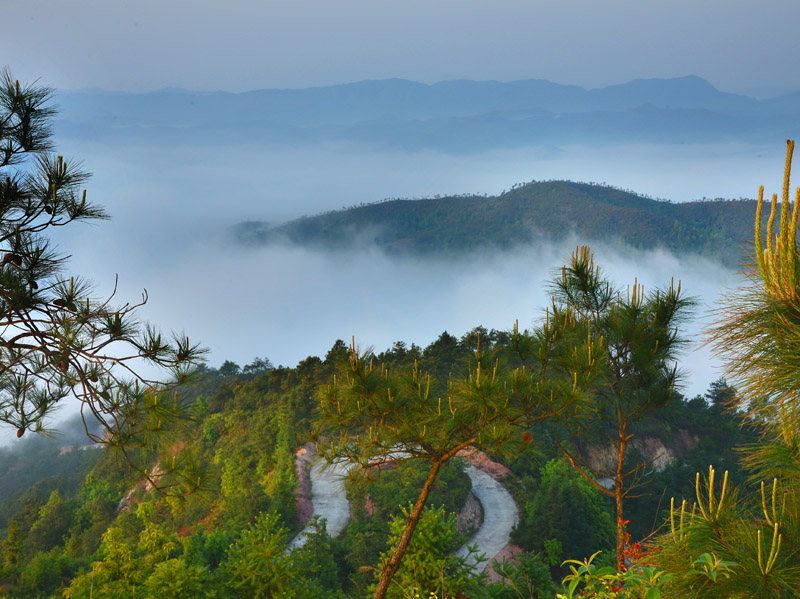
x: 172, y: 209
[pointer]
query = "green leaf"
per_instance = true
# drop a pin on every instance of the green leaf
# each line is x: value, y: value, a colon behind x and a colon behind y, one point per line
x: 653, y: 593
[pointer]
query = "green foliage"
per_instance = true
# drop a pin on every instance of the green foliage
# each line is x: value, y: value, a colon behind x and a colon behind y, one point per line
x: 280, y: 482
x: 639, y: 335
x: 50, y: 527
x: 337, y: 355
x: 242, y: 496
x: 229, y: 368
x: 257, y: 421
x: 429, y: 567
x: 758, y: 333
x: 377, y: 416
x: 587, y: 579
x: 207, y: 550
x: 745, y: 544
x: 444, y: 354
x: 527, y: 576
x: 59, y: 340
x: 213, y: 428
x: 399, y: 485
x: 174, y: 579
x: 376, y: 413
x: 96, y: 504
x: 46, y: 572
x: 112, y: 576
x: 318, y: 574
x: 736, y: 550
x: 704, y: 433
x: 454, y: 225
x: 44, y: 465
x: 638, y: 338
x: 247, y: 428
x: 258, y: 365
x: 150, y: 566
x: 12, y: 552
x: 367, y: 533
x: 155, y: 545
x: 565, y: 511
x: 258, y: 565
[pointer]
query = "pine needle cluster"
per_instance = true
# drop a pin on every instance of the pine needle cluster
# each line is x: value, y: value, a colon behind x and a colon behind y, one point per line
x: 746, y: 543
x: 59, y: 341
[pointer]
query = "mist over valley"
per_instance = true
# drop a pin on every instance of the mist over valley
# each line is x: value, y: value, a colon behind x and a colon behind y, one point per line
x: 179, y: 190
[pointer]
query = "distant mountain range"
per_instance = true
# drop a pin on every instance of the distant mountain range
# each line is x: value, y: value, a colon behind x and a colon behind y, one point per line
x: 451, y: 116
x: 536, y: 212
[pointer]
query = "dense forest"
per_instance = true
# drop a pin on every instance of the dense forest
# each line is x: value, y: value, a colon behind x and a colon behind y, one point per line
x: 77, y: 525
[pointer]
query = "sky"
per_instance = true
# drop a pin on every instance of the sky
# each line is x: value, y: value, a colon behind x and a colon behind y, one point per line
x: 239, y: 45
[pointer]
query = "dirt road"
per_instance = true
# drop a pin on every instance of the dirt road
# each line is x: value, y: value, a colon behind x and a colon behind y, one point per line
x: 500, y: 515
x: 328, y: 497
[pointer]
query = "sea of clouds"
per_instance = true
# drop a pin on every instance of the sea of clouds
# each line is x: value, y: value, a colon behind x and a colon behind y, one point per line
x: 173, y: 208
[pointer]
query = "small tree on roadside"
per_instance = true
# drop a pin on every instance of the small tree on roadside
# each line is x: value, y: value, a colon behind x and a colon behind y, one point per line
x: 430, y: 567
x: 258, y: 565
x: 638, y: 335
x: 57, y: 340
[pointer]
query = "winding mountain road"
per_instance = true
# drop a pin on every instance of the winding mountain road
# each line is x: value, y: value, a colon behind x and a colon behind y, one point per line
x: 500, y: 513
x: 328, y: 498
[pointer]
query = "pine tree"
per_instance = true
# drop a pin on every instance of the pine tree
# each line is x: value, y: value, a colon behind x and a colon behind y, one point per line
x: 746, y: 543
x: 638, y: 334
x: 258, y: 565
x: 56, y: 339
x: 372, y: 416
x: 12, y: 552
x: 429, y: 568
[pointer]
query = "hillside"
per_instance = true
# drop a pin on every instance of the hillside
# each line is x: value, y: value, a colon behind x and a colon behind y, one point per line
x: 538, y: 211
x: 101, y: 534
x: 454, y: 117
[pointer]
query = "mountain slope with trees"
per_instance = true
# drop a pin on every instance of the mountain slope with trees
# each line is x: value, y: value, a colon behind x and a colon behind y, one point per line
x: 104, y: 529
x: 109, y: 525
x: 536, y: 212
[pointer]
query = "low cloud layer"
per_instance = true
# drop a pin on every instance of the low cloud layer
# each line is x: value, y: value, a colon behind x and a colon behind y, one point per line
x: 287, y: 302
x: 181, y: 187
x: 172, y: 208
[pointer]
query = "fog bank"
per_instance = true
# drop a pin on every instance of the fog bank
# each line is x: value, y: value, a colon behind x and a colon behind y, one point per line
x: 172, y: 207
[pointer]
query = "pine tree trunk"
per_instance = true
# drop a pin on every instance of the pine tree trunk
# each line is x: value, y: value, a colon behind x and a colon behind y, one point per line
x: 394, y: 562
x: 618, y: 494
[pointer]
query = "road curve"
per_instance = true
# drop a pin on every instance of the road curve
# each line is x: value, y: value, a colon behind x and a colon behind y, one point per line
x: 328, y: 498
x: 500, y: 515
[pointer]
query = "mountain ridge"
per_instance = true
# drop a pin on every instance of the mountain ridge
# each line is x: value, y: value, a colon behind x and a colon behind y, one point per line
x: 367, y: 99
x: 540, y: 211
x: 454, y: 117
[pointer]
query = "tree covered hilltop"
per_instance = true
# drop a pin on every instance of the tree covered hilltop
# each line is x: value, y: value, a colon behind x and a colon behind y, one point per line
x: 539, y: 212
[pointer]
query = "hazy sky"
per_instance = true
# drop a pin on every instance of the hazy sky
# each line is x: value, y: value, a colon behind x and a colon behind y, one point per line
x: 239, y: 45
